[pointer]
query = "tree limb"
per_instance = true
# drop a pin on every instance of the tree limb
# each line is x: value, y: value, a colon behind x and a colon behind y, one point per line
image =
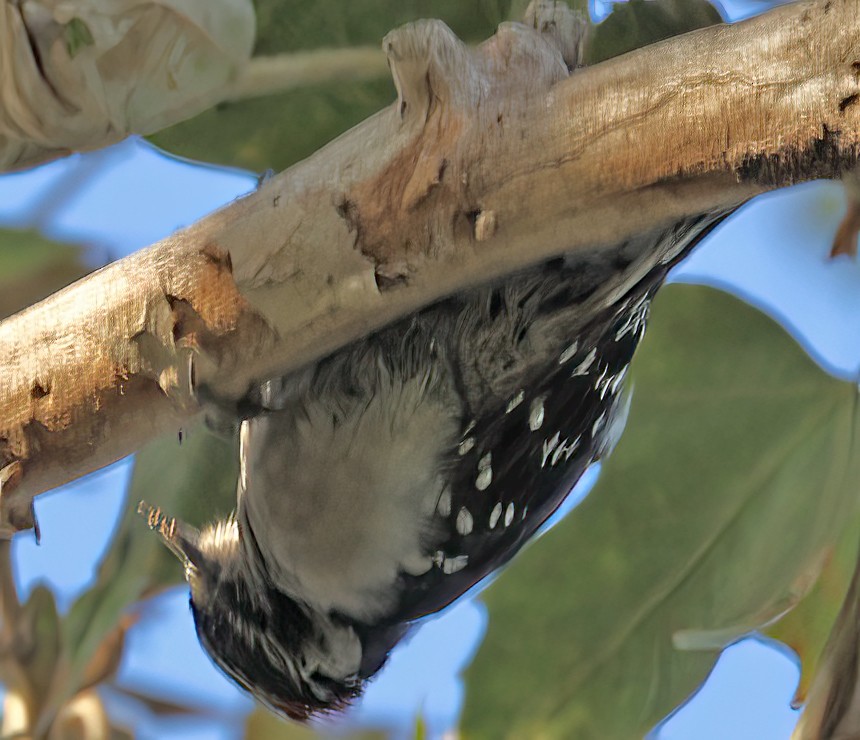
x: 490, y: 160
x: 276, y: 74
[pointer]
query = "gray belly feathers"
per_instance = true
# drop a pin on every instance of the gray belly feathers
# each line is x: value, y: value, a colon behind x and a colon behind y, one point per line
x: 341, y: 533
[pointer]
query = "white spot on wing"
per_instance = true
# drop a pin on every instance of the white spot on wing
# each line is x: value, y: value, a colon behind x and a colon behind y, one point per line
x: 509, y: 514
x: 582, y: 367
x: 604, y: 388
x: 548, y: 446
x: 485, y: 472
x: 571, y: 448
x: 558, y: 452
x: 495, y: 514
x: 565, y: 448
x: 618, y: 380
x: 515, y: 401
x: 466, y: 445
x: 452, y: 565
x: 601, y: 378
x: 568, y: 353
x: 464, y: 521
x: 536, y: 413
x: 635, y: 320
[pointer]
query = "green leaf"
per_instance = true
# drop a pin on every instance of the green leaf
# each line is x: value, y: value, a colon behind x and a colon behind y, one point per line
x: 637, y: 23
x: 194, y: 481
x: 276, y: 131
x: 39, y: 642
x: 290, y: 25
x: 737, y: 473
x: 32, y: 267
x: 78, y: 36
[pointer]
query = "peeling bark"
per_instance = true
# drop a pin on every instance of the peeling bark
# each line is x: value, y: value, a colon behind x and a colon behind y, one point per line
x: 491, y: 159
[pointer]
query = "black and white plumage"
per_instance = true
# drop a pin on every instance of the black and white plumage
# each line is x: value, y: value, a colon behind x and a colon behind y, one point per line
x: 383, y: 482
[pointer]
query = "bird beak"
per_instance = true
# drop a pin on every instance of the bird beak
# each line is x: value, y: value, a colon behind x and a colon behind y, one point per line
x: 180, y: 538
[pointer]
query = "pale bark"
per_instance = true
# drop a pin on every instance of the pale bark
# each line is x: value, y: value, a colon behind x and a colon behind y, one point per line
x: 81, y: 75
x: 490, y: 160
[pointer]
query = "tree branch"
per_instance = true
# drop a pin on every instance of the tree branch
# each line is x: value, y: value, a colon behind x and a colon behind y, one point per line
x: 491, y: 159
x: 276, y: 74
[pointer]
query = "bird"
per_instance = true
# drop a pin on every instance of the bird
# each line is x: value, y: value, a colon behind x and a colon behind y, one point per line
x: 384, y: 481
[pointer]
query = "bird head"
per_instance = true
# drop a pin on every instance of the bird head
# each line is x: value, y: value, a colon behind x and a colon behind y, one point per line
x: 296, y: 661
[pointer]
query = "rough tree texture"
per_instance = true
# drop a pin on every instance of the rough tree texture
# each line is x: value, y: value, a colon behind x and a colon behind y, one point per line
x: 489, y: 160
